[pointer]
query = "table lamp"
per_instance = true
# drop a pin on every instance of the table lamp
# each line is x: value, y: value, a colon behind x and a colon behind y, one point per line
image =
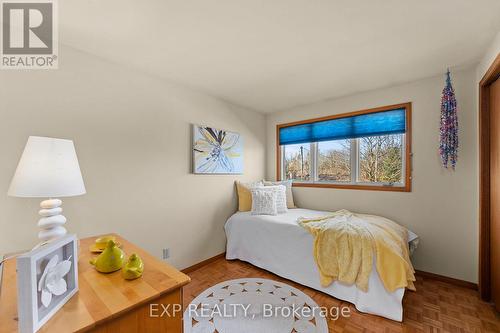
x: 48, y: 168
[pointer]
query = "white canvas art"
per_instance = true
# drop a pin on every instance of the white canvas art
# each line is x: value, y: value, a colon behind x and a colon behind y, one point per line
x: 217, y: 151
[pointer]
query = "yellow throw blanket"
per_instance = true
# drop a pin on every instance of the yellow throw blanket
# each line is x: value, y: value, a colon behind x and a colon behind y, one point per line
x: 344, y: 245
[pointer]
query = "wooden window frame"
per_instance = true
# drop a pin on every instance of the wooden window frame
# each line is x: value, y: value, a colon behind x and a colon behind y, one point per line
x: 407, y: 163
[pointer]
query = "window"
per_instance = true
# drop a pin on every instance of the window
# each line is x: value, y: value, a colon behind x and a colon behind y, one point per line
x: 297, y: 162
x: 381, y: 159
x: 367, y: 149
x: 334, y: 161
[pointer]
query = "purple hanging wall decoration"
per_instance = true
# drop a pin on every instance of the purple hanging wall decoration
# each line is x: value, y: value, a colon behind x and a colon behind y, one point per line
x: 448, y: 131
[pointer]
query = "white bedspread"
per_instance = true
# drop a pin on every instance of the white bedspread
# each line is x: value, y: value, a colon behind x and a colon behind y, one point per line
x: 278, y: 244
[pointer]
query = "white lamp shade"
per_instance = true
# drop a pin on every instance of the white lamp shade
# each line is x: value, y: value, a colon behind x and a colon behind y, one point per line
x: 48, y: 168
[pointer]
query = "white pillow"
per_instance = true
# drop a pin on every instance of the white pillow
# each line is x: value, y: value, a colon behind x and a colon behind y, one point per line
x: 281, y: 204
x: 264, y: 201
x: 289, y: 194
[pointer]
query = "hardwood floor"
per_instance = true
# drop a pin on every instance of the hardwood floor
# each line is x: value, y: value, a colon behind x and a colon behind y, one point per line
x: 435, y: 306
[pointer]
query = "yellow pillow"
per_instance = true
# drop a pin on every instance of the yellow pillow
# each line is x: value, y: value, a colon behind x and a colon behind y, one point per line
x: 245, y: 196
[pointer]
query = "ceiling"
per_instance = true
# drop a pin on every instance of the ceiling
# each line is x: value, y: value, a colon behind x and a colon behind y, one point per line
x: 271, y: 55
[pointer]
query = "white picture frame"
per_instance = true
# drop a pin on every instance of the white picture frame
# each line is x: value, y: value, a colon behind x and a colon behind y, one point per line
x: 35, y: 306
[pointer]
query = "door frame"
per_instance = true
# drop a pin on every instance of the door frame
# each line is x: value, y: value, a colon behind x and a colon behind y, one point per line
x: 484, y: 178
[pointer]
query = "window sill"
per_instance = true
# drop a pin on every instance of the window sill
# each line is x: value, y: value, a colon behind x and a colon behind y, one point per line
x: 406, y: 188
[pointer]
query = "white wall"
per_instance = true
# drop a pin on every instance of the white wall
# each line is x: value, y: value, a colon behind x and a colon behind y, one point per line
x: 132, y: 135
x: 443, y: 206
x: 489, y: 57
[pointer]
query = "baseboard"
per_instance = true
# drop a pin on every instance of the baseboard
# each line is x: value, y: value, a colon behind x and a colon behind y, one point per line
x: 203, y: 263
x: 422, y: 274
x: 442, y: 278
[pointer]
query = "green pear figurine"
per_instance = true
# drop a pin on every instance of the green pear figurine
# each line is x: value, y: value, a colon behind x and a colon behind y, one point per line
x: 110, y: 260
x: 133, y: 268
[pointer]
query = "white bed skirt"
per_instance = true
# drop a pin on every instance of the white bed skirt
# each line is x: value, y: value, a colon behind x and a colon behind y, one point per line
x: 279, y: 245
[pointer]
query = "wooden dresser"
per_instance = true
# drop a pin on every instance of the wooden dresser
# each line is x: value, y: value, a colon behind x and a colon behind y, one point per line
x: 106, y: 302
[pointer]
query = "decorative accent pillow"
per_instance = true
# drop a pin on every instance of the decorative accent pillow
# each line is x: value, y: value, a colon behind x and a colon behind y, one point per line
x: 264, y: 201
x: 244, y: 195
x: 280, y: 197
x: 289, y: 194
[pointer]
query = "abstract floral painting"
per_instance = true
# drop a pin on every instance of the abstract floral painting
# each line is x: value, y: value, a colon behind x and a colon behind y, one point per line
x: 217, y: 151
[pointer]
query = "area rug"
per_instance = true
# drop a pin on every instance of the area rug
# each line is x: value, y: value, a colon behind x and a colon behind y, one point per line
x: 253, y: 305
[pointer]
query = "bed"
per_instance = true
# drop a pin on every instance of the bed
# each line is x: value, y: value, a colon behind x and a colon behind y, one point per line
x: 279, y: 245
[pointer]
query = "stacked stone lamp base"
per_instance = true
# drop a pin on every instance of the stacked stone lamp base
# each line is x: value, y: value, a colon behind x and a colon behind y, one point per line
x: 52, y: 221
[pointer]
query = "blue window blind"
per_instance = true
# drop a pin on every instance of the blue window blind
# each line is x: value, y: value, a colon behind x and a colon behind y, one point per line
x: 370, y: 124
